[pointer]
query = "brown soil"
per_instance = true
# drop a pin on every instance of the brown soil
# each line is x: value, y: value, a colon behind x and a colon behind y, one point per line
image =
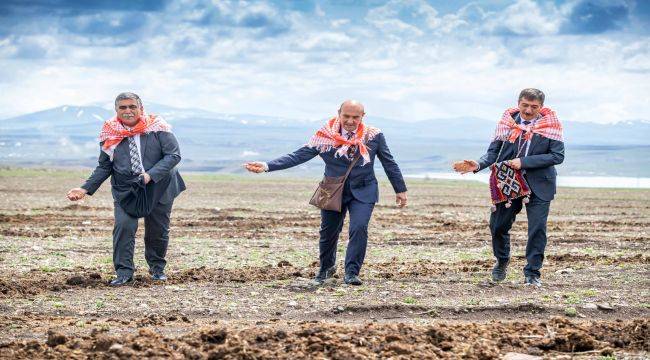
x: 369, y: 341
x: 36, y: 282
x: 239, y: 270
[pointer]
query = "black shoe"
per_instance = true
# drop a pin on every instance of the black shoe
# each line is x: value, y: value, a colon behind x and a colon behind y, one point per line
x: 159, y: 276
x: 324, y: 275
x: 121, y: 280
x: 533, y: 280
x: 352, y: 279
x: 500, y: 271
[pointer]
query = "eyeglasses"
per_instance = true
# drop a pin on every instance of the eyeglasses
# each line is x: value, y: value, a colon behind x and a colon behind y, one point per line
x: 124, y: 107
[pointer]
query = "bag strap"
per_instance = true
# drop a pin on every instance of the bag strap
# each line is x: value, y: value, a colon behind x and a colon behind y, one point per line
x: 356, y: 158
x: 519, y: 147
x: 354, y: 161
x: 500, y: 149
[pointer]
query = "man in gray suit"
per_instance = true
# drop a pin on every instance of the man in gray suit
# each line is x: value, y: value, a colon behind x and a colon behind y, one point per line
x: 137, y: 151
x: 529, y: 137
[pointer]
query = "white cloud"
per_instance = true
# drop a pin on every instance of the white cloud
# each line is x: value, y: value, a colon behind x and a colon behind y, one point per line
x: 319, y: 11
x: 403, y: 59
x: 405, y: 17
x: 28, y: 46
x: 525, y: 17
x: 339, y: 22
x: 325, y: 40
x: 248, y: 154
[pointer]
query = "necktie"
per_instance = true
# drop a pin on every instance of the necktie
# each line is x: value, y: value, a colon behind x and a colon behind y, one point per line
x: 524, y: 123
x: 524, y: 147
x: 136, y: 164
x: 352, y: 148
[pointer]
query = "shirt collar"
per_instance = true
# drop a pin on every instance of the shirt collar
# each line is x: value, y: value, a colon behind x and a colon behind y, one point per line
x: 345, y: 133
x: 521, y: 120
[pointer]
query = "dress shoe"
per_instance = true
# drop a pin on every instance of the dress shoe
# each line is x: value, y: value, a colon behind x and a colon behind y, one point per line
x: 352, y: 279
x: 159, y: 276
x: 500, y: 271
x: 534, y: 281
x: 324, y: 275
x: 121, y: 280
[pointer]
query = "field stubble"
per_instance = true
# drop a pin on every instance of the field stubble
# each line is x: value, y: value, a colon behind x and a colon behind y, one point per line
x: 239, y: 266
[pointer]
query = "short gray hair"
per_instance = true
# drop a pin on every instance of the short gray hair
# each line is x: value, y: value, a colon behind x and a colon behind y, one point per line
x: 532, y: 94
x: 128, y: 96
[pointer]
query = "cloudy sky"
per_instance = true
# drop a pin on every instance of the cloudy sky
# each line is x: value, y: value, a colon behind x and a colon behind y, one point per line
x: 407, y: 59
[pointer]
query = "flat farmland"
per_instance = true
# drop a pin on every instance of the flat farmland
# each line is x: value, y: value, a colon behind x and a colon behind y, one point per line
x: 242, y: 251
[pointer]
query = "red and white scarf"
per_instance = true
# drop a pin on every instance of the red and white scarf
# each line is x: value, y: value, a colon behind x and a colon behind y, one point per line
x: 330, y: 136
x: 113, y: 131
x: 548, y: 126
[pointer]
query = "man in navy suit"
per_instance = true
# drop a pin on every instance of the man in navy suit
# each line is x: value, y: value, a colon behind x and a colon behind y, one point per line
x: 338, y: 142
x: 532, y: 142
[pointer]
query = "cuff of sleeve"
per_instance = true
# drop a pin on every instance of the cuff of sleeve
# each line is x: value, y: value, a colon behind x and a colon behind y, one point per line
x: 524, y: 163
x: 88, y: 191
x: 479, y: 167
x: 153, y: 177
x: 266, y: 166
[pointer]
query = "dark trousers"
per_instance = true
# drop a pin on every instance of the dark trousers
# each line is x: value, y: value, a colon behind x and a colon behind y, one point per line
x: 501, y: 221
x: 331, y: 226
x: 156, y: 238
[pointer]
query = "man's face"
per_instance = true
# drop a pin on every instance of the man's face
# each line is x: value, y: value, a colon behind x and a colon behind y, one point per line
x: 529, y: 108
x: 351, y: 116
x: 129, y: 111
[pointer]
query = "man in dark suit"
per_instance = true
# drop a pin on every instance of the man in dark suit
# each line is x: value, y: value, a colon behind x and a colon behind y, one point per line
x: 136, y: 147
x: 534, y: 144
x: 338, y: 142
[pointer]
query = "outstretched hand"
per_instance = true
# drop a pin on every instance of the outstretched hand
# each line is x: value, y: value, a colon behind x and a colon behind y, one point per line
x: 465, y: 166
x: 76, y: 194
x: 400, y: 199
x: 255, y: 166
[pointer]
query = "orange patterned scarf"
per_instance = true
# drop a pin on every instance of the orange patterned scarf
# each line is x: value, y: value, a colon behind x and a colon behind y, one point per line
x: 113, y: 131
x: 330, y: 136
x: 548, y: 126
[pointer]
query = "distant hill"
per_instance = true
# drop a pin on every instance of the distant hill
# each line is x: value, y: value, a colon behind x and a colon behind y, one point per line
x: 66, y: 136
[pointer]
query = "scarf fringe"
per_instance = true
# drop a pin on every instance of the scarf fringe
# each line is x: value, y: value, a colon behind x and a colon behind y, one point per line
x: 328, y: 137
x: 113, y: 131
x: 548, y: 126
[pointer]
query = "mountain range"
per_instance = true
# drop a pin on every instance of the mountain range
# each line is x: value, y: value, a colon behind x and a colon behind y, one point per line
x: 66, y: 136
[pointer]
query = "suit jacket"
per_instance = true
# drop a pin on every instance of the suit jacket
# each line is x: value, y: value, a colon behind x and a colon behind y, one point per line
x: 543, y: 155
x: 160, y: 154
x: 362, y: 180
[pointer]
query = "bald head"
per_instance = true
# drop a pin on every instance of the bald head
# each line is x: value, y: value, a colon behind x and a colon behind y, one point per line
x: 352, y: 104
x: 351, y: 114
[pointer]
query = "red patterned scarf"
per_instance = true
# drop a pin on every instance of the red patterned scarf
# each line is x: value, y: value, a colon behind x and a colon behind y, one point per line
x: 113, y: 131
x: 548, y: 126
x: 330, y: 136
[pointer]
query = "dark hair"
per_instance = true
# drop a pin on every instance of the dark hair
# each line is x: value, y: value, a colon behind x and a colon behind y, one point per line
x: 532, y: 94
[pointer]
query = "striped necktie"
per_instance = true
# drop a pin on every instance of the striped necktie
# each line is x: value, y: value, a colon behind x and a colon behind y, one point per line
x: 136, y: 164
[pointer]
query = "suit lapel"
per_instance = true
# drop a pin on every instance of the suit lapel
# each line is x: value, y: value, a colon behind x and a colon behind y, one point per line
x: 533, y: 141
